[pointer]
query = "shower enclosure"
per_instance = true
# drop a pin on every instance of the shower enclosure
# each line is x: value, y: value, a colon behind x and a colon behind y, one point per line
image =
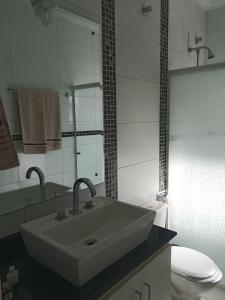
x: 197, y: 159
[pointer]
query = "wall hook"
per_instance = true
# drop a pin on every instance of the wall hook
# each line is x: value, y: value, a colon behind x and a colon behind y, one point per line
x: 146, y: 9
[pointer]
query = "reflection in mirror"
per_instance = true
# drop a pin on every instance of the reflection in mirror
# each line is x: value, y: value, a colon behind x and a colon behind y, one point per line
x: 197, y: 41
x: 51, y: 90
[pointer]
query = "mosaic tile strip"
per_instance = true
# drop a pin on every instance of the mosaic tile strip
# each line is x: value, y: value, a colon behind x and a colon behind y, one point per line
x: 164, y: 126
x: 18, y: 137
x: 82, y: 133
x: 109, y: 94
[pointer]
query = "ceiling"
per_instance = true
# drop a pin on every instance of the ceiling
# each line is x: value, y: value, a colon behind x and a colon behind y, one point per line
x: 211, y: 4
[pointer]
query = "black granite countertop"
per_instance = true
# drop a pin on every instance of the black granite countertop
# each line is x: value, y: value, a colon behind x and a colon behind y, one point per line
x: 37, y: 282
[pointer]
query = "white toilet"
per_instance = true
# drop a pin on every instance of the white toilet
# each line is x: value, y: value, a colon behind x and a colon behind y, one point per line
x: 193, y: 273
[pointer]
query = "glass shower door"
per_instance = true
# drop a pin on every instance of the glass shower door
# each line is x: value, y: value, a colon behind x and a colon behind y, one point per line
x: 197, y: 159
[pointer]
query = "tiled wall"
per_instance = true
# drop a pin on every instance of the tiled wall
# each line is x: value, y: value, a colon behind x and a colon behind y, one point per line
x: 164, y: 101
x: 110, y: 101
x: 55, y: 57
x: 138, y: 96
x: 185, y: 16
x: 216, y: 34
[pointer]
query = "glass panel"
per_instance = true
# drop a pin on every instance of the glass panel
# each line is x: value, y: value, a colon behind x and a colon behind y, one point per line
x: 197, y: 160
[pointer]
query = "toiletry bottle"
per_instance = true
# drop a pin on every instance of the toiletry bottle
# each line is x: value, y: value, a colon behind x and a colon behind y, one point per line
x: 7, y: 293
x: 0, y: 288
x: 12, y: 276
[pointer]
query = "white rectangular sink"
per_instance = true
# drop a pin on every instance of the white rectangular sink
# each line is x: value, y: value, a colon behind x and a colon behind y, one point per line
x: 20, y: 198
x: 83, y: 245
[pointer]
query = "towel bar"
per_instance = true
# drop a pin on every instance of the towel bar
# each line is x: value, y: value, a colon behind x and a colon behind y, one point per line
x: 11, y: 91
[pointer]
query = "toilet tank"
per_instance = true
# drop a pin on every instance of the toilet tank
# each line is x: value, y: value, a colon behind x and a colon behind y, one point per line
x: 161, y: 212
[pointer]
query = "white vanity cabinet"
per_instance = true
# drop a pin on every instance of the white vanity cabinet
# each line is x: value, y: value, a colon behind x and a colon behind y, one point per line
x: 151, y: 282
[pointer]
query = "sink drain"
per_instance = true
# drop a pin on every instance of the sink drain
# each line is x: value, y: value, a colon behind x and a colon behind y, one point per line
x: 90, y: 242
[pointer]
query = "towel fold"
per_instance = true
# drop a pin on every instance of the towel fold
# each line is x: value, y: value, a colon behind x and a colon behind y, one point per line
x: 8, y: 154
x: 40, y: 120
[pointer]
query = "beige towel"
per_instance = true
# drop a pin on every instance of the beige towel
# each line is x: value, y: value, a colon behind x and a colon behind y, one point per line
x: 40, y: 120
x: 8, y: 154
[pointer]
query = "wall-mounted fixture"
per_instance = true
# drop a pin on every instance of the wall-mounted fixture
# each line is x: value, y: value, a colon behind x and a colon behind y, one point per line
x: 198, y: 49
x: 44, y: 9
x: 146, y: 9
x: 198, y: 39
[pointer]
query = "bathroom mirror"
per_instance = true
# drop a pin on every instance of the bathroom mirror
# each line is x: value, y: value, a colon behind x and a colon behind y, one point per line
x: 63, y: 57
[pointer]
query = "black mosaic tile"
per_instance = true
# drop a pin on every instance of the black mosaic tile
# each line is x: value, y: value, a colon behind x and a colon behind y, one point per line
x: 109, y: 95
x: 18, y: 137
x: 164, y: 126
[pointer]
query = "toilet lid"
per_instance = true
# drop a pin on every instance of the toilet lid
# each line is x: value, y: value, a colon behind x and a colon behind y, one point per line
x: 191, y: 263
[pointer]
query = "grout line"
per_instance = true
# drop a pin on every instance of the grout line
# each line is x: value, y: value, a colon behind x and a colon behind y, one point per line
x: 139, y: 163
x: 139, y: 34
x: 133, y: 123
x: 138, y: 79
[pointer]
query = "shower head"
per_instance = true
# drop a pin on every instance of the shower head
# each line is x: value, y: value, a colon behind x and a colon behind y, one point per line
x: 197, y: 49
x: 210, y: 53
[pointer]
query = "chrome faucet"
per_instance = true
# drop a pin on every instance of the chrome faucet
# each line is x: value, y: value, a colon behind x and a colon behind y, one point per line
x: 41, y: 179
x: 76, y: 201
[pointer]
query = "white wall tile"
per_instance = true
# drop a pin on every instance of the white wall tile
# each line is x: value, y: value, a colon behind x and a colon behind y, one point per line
x: 216, y: 20
x: 200, y: 18
x: 69, y: 178
x: 74, y: 33
x: 100, y: 153
x: 32, y: 74
x: 69, y: 159
x: 12, y: 110
x: 34, y: 46
x: 87, y: 156
x: 215, y: 34
x: 83, y: 126
x: 21, y: 13
x: 216, y: 42
x: 4, y: 39
x: 137, y: 142
x: 185, y: 8
x: 134, y: 20
x: 54, y: 162
x: 138, y: 101
x: 85, y: 109
x: 86, y: 139
x: 9, y: 187
x: 94, y: 6
x: 99, y: 113
x: 5, y: 72
x: 75, y: 56
x: 139, y: 182
x: 143, y: 53
x: 88, y: 93
x: 67, y: 126
x: 8, y: 176
x: 66, y: 109
x: 68, y: 142
x: 174, y: 59
x: 70, y: 77
x: 4, y: 10
x: 57, y: 178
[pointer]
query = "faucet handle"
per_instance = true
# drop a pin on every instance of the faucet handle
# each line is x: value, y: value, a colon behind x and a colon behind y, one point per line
x: 61, y: 215
x: 75, y: 212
